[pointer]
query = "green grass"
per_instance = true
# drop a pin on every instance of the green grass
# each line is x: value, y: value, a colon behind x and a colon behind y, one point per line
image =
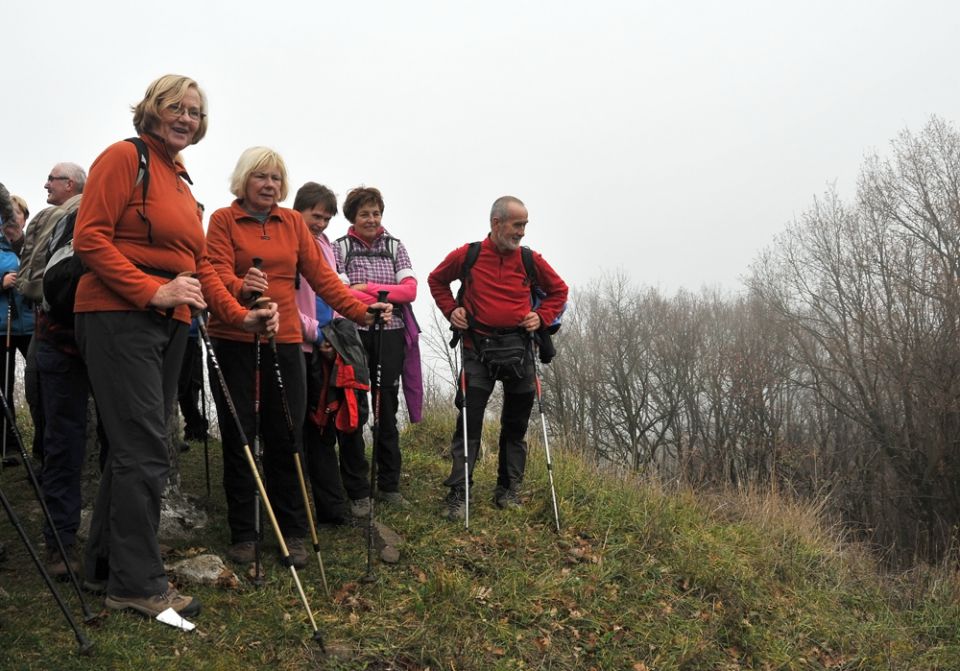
x: 639, y: 578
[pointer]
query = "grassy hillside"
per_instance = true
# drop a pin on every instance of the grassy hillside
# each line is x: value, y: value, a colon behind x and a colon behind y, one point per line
x: 638, y: 579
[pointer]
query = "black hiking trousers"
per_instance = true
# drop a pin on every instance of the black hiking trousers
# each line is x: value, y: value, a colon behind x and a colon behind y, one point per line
x: 238, y: 364
x: 518, y: 397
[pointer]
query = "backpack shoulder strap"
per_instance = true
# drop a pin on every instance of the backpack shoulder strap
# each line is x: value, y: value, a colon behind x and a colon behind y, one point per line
x: 526, y: 255
x: 393, y: 244
x: 473, y: 251
x: 143, y: 179
x: 143, y: 164
x: 61, y: 234
x: 343, y: 244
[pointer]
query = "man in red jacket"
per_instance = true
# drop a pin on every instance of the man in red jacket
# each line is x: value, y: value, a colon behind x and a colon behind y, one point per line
x: 497, y: 321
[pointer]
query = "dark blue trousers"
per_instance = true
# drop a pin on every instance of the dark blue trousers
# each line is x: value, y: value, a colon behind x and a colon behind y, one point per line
x: 65, y: 392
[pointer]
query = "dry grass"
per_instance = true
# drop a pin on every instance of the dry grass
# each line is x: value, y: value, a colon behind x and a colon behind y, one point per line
x: 640, y: 577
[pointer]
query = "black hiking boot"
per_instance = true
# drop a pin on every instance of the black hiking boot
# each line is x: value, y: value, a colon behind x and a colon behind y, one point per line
x: 507, y: 498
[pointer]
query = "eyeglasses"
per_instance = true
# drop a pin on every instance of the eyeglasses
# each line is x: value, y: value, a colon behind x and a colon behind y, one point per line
x: 51, y: 178
x: 178, y: 109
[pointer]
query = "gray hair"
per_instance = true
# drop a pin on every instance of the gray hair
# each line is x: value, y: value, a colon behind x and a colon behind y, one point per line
x: 76, y: 174
x: 500, y: 205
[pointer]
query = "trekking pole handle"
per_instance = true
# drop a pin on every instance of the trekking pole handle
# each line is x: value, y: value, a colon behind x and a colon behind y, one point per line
x: 194, y: 312
x: 381, y: 298
x: 258, y: 264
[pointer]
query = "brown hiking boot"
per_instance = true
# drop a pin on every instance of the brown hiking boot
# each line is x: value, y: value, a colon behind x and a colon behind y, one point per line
x: 298, y: 552
x: 151, y: 606
x: 55, y: 565
x: 244, y: 552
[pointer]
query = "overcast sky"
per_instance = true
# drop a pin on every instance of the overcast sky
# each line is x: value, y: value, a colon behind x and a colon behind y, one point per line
x: 670, y: 140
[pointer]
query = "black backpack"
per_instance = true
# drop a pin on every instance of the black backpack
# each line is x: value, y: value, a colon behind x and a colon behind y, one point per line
x: 544, y: 335
x: 63, y: 269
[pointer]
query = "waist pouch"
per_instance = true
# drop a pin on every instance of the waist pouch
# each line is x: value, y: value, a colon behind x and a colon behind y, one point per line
x: 504, y: 353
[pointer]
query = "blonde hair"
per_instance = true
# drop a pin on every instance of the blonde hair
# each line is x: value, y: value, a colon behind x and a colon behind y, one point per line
x: 167, y: 90
x: 253, y: 160
x: 22, y: 204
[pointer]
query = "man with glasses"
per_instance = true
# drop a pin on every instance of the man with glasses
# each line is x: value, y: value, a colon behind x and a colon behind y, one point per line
x: 52, y: 357
x: 64, y: 185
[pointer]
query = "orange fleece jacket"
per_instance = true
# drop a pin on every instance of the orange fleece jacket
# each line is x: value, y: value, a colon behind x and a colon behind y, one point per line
x: 112, y: 239
x: 283, y: 241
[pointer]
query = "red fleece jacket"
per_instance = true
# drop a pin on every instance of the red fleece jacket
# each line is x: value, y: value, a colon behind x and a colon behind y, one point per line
x: 285, y: 244
x: 497, y: 294
x: 112, y: 239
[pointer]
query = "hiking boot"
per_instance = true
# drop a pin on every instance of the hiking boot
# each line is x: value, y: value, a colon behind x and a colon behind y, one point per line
x: 507, y: 498
x: 392, y: 498
x: 151, y: 606
x: 97, y: 582
x: 244, y: 552
x: 94, y: 586
x: 360, y: 507
x: 298, y: 552
x: 55, y: 565
x: 184, y: 446
x: 456, y: 505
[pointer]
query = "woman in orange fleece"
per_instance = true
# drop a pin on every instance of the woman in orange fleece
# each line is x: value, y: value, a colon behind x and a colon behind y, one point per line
x: 255, y: 227
x: 141, y: 238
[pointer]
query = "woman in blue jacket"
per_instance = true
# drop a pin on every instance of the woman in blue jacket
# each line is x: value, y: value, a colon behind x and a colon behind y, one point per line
x: 16, y: 329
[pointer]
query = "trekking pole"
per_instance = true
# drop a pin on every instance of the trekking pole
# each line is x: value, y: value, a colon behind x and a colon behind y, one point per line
x: 6, y: 373
x: 466, y: 445
x: 257, y: 450
x: 284, y: 552
x: 297, y: 461
x: 546, y: 443
x: 86, y: 647
x: 35, y: 483
x: 375, y: 389
x: 206, y: 421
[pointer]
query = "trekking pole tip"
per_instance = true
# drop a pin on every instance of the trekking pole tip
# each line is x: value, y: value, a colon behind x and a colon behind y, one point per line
x: 86, y: 646
x: 318, y: 637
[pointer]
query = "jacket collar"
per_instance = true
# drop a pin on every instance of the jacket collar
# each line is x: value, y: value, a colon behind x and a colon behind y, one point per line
x: 158, y: 151
x: 352, y: 232
x: 238, y: 212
